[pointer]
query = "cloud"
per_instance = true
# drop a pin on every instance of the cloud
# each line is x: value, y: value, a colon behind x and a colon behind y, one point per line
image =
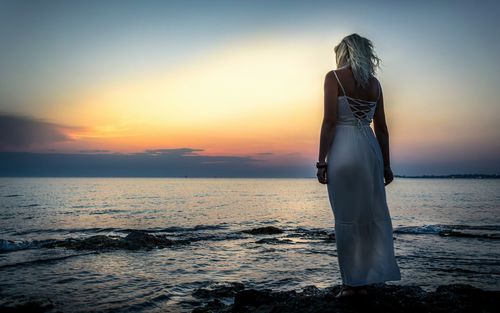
x: 95, y: 151
x: 21, y: 132
x: 173, y: 151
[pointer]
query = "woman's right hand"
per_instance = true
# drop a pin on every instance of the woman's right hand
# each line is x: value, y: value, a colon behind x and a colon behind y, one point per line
x: 322, y: 176
x: 389, y: 177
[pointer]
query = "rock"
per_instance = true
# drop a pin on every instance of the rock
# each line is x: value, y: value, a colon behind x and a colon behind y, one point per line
x: 139, y: 239
x: 457, y: 298
x: 252, y: 298
x: 311, y: 290
x: 133, y: 241
x: 213, y: 306
x: 31, y: 306
x: 220, y: 290
x: 273, y: 241
x: 97, y: 242
x: 465, y: 297
x: 267, y: 230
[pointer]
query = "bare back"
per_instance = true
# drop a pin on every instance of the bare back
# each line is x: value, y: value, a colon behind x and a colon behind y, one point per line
x: 369, y: 94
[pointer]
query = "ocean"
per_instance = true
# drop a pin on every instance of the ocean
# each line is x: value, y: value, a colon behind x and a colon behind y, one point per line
x: 445, y: 230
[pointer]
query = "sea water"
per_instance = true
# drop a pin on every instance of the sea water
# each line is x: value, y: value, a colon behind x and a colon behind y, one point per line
x: 445, y: 231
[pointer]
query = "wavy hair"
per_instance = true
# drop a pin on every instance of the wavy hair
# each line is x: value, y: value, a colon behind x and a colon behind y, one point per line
x: 357, y: 52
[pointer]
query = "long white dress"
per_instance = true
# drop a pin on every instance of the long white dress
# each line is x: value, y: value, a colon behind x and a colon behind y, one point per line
x: 356, y: 191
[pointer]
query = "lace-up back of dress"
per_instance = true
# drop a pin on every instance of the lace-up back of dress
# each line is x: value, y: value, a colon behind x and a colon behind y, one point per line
x: 361, y: 109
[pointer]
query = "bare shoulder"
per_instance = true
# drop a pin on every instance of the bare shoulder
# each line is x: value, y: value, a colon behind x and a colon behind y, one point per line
x: 330, y: 75
x: 330, y: 80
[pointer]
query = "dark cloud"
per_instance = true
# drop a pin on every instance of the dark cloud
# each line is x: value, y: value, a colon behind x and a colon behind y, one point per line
x: 94, y: 151
x: 174, y: 151
x: 19, y: 132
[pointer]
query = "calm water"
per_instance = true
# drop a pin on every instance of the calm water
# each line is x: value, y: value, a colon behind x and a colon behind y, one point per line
x: 212, y: 213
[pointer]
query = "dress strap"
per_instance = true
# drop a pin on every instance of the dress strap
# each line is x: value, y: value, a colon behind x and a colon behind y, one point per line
x: 340, y: 83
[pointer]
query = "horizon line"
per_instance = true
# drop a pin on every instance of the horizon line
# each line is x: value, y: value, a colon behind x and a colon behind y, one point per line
x: 463, y: 175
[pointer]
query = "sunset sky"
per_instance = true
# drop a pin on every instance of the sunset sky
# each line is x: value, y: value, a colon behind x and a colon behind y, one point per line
x: 238, y: 85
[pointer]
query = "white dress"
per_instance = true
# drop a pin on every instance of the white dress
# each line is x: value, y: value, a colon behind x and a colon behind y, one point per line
x: 356, y: 191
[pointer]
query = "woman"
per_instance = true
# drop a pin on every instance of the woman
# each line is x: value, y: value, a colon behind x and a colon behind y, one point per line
x: 356, y: 165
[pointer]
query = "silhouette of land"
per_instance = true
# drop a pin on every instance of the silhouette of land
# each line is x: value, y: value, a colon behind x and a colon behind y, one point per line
x: 451, y: 176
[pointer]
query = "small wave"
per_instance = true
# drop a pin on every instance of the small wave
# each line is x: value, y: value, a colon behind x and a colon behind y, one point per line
x: 312, y: 233
x: 172, y: 229
x: 65, y: 230
x: 426, y: 229
x: 470, y: 231
x: 46, y: 260
x: 178, y: 229
x: 462, y: 270
x: 453, y: 233
x: 107, y: 211
x: 30, y: 205
x: 9, y: 245
x: 13, y: 196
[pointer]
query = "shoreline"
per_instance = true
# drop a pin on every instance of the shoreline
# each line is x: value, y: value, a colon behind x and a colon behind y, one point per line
x: 381, y: 297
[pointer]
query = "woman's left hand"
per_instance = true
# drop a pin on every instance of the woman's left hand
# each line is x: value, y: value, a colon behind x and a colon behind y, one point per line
x: 322, y: 177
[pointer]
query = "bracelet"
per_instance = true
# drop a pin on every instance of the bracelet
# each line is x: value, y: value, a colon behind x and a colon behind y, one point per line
x: 321, y: 164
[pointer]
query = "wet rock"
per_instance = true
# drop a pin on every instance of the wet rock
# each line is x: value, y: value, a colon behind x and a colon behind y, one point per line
x: 97, y: 242
x: 466, y: 297
x: 267, y: 230
x: 273, y: 241
x: 219, y: 290
x: 212, y: 306
x: 133, y: 241
x: 253, y: 297
x: 30, y: 306
x: 140, y: 239
x: 311, y: 290
x: 458, y: 298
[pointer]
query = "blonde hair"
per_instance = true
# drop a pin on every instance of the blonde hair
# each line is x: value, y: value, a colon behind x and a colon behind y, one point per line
x: 357, y: 52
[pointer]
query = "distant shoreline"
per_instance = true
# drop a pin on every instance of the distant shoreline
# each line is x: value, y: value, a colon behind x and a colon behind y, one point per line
x: 451, y: 176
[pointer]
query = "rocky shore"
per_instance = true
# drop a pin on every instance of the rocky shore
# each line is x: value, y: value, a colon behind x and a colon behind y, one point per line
x: 385, y: 298
x: 235, y: 297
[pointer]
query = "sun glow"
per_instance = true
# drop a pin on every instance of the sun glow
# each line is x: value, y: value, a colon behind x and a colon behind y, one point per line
x: 246, y: 97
